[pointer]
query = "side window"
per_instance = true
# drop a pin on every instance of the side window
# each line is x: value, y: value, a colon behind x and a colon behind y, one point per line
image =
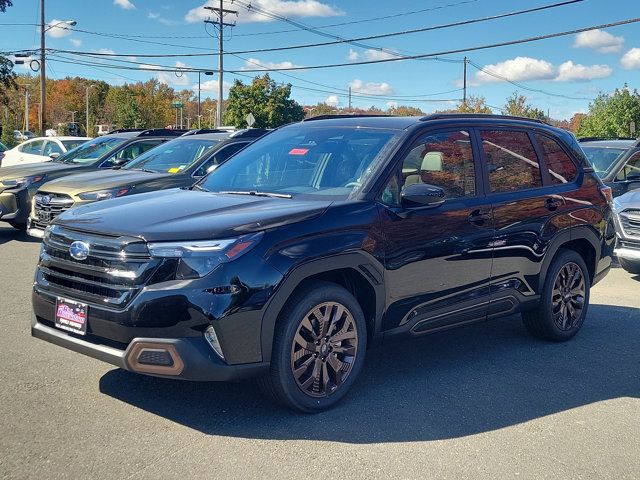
x: 561, y: 167
x: 219, y: 157
x: 631, y: 170
x: 511, y: 161
x: 33, y: 148
x: 132, y: 151
x: 442, y: 159
x: 51, y: 147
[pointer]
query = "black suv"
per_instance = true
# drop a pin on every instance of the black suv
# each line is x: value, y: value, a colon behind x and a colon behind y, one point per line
x: 325, y: 237
x: 616, y: 161
x: 18, y: 184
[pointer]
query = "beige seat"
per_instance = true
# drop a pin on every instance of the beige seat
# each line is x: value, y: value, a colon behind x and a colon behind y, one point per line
x: 431, y: 162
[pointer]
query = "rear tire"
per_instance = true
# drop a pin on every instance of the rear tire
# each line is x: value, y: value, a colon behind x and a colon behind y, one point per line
x: 564, y: 300
x: 19, y: 225
x: 319, y: 347
x: 633, y: 267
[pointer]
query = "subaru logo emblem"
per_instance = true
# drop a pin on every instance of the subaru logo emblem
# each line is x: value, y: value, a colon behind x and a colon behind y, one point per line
x: 45, y: 200
x: 79, y: 250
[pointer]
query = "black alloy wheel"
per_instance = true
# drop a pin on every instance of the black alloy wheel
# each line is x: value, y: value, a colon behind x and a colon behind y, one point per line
x: 568, y: 296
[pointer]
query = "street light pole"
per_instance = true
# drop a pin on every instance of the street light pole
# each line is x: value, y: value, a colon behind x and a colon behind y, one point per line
x: 86, y: 91
x: 210, y: 117
x: 73, y: 116
x: 199, y: 99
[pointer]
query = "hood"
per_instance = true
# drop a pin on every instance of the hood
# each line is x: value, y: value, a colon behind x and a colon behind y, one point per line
x: 100, y: 180
x: 629, y: 199
x: 174, y: 215
x: 19, y: 171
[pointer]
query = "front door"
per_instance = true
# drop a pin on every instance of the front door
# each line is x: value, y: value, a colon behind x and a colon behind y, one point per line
x: 437, y: 259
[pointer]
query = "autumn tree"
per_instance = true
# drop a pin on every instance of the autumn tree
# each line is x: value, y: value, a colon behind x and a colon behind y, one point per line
x: 474, y: 104
x: 517, y: 105
x: 269, y: 103
x: 7, y: 76
x: 405, y: 111
x: 610, y: 116
x: 321, y: 109
x: 575, y: 121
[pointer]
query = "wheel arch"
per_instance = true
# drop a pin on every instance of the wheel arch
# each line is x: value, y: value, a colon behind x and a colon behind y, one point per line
x: 356, y: 272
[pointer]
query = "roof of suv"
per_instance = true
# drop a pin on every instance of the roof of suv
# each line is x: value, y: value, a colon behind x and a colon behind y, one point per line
x: 617, y: 143
x: 155, y: 132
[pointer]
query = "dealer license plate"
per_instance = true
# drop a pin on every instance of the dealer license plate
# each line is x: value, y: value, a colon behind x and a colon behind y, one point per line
x: 71, y: 316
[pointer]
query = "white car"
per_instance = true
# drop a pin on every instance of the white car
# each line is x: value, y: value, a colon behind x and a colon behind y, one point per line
x: 40, y: 149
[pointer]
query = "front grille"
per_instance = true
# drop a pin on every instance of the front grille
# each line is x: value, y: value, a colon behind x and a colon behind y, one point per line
x: 630, y: 222
x: 115, y: 270
x: 47, y: 206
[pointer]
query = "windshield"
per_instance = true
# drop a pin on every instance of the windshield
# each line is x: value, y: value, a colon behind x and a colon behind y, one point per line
x: 315, y: 160
x: 173, y: 156
x: 71, y: 144
x: 92, y: 150
x: 602, y: 158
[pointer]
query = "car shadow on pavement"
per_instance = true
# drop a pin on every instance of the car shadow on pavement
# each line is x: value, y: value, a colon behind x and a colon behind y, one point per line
x: 9, y: 234
x: 452, y: 384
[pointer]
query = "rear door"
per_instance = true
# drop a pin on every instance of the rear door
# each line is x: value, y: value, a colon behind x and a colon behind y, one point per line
x: 523, y: 213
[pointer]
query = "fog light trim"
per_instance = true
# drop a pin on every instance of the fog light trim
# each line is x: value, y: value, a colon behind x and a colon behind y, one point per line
x: 212, y: 339
x: 149, y: 350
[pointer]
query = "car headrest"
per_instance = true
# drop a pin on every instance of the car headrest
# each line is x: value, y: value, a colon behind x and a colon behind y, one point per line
x: 432, y: 162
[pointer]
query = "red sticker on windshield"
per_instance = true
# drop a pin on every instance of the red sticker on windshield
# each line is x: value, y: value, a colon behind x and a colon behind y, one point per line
x: 298, y: 151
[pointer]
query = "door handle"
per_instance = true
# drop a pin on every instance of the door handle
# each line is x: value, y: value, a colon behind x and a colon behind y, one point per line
x: 552, y: 204
x: 478, y: 217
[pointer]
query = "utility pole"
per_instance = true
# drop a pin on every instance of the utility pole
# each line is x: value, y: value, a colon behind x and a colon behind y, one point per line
x: 73, y: 116
x: 220, y: 23
x: 464, y: 82
x: 210, y: 117
x: 26, y: 104
x: 42, y: 119
x: 349, y: 98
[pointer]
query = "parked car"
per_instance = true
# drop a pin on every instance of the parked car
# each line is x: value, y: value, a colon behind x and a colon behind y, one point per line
x: 175, y: 164
x: 19, y: 184
x: 627, y: 212
x: 617, y: 162
x: 327, y: 236
x: 3, y: 148
x: 42, y: 149
x: 22, y: 136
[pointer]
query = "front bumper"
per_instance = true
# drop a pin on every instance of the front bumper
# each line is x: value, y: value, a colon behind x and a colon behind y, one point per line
x: 15, y: 205
x: 193, y: 359
x: 628, y: 250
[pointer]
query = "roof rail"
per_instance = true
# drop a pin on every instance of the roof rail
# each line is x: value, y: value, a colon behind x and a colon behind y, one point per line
x: 157, y: 132
x: 439, y: 116
x: 250, y: 133
x: 200, y: 131
x: 125, y: 130
x: 595, y: 139
x: 344, y: 115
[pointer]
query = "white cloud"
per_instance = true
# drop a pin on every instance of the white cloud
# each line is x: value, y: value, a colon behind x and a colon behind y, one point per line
x: 170, y: 78
x: 159, y: 18
x: 392, y: 104
x: 370, y: 88
x: 518, y: 69
x: 75, y: 42
x: 106, y: 51
x: 353, y: 55
x: 631, y: 59
x: 574, y: 72
x: 284, y: 8
x: 332, y: 100
x: 371, y: 54
x: 254, y: 63
x: 211, y: 86
x: 124, y: 4
x: 61, y: 29
x: 598, y: 40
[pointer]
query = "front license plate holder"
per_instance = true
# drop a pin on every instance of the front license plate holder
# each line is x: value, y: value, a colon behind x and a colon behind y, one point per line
x: 71, y: 316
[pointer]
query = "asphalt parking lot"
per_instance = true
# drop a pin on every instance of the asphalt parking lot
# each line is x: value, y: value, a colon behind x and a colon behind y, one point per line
x: 486, y: 401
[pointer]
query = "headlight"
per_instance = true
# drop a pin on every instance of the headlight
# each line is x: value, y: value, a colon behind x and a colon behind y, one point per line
x: 198, y: 259
x: 104, y: 194
x: 22, y: 182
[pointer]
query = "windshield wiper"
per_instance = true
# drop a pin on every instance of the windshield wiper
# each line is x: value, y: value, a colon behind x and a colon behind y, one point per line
x: 143, y: 170
x: 258, y: 194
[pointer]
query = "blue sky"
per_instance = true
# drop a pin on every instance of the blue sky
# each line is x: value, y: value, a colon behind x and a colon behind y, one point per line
x: 575, y: 66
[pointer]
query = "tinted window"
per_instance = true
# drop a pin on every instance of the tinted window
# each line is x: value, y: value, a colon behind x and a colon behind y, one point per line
x: 33, y: 148
x: 220, y: 156
x: 442, y: 159
x: 92, y: 150
x: 173, y: 156
x: 511, y: 161
x: 131, y: 151
x: 71, y: 144
x: 52, y: 147
x: 602, y: 158
x: 631, y: 170
x: 309, y: 159
x: 561, y: 167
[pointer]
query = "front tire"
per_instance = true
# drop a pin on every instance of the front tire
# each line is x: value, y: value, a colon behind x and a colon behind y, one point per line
x: 318, y: 348
x: 564, y: 300
x: 633, y: 267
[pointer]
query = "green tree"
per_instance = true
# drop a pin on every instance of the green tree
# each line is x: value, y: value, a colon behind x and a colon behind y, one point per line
x: 322, y: 109
x: 9, y: 124
x: 269, y: 103
x: 121, y: 103
x: 405, y: 111
x: 610, y: 116
x: 517, y: 105
x: 474, y: 105
x: 7, y: 76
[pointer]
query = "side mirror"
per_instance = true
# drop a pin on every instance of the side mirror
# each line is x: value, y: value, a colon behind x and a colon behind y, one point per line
x: 54, y: 155
x: 422, y: 195
x: 119, y: 162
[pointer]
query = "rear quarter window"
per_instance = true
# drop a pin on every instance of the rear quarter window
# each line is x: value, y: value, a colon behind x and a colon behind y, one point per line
x: 561, y: 167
